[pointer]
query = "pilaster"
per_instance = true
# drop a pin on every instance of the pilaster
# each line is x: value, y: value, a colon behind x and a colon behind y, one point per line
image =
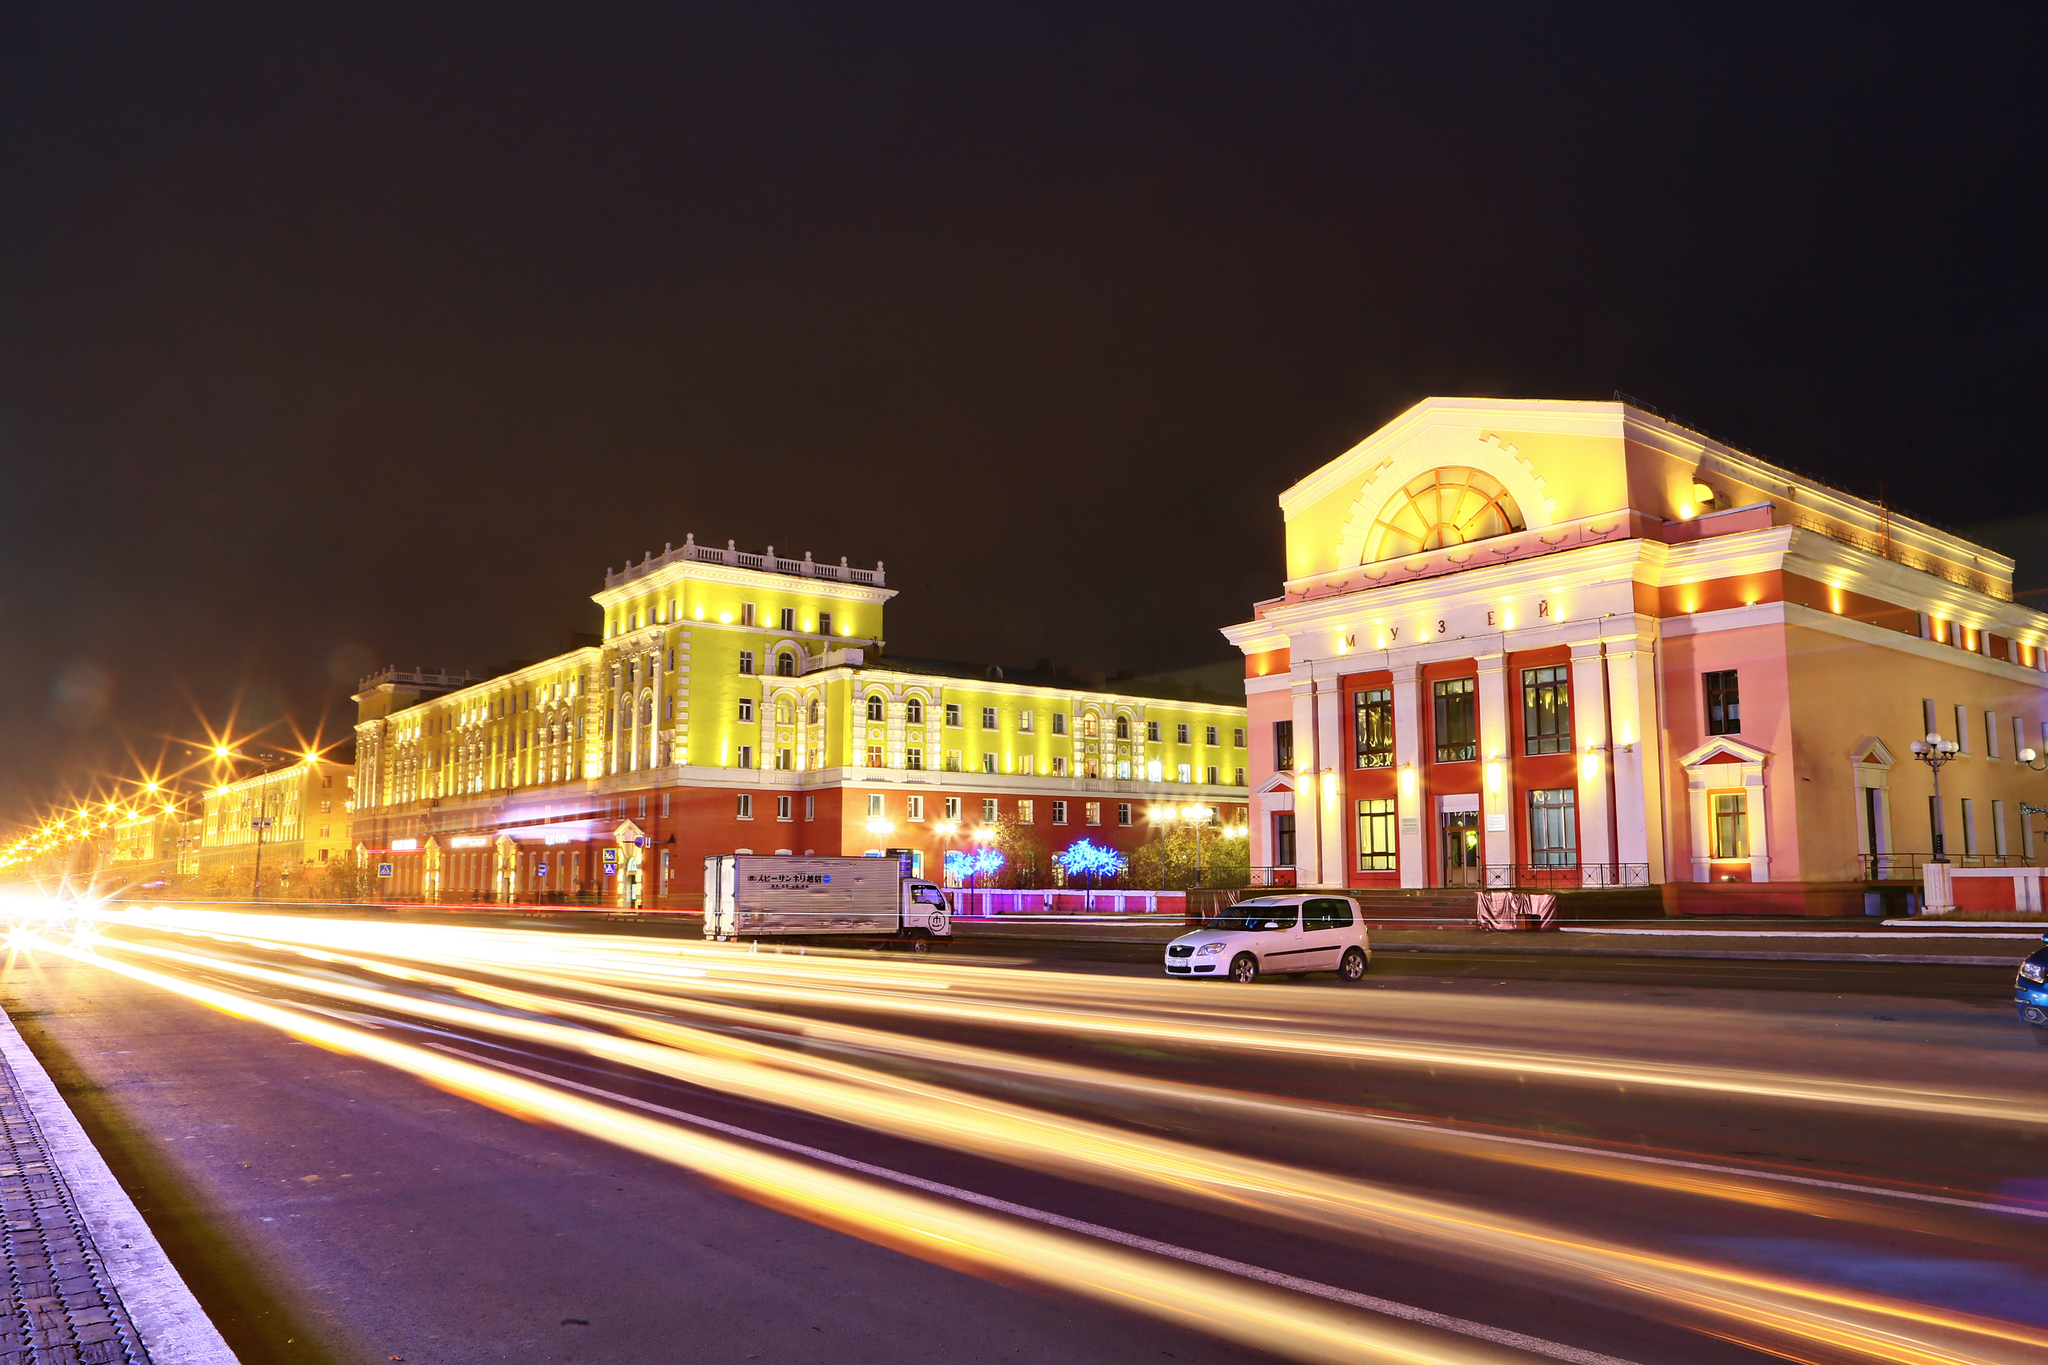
x: 1413, y: 858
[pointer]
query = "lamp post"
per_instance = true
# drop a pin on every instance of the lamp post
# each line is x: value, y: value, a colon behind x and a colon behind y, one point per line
x: 1198, y: 816
x: 1935, y: 751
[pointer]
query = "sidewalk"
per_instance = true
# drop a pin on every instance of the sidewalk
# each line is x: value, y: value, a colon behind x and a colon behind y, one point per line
x: 87, y: 1282
x: 1756, y: 940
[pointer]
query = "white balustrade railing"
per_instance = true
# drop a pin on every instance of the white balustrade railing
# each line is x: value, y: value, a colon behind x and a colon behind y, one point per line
x: 732, y: 556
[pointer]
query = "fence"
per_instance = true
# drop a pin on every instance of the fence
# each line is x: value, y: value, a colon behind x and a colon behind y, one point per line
x: 987, y: 904
x: 1906, y: 867
x: 1571, y: 877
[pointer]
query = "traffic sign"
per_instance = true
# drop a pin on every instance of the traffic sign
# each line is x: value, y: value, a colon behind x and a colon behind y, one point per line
x: 542, y: 869
x: 611, y: 869
x: 611, y: 857
x: 383, y: 869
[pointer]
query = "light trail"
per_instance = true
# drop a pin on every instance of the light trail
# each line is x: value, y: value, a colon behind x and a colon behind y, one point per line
x: 1737, y: 1303
x: 942, y: 1231
x: 954, y: 994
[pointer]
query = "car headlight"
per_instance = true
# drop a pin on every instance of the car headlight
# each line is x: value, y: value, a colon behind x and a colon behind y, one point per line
x: 1209, y: 950
x: 2034, y: 971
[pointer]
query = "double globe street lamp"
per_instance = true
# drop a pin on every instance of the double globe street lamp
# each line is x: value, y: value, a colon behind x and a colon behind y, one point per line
x: 1935, y: 751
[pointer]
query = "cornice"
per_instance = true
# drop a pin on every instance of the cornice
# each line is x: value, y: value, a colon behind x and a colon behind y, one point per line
x: 685, y: 570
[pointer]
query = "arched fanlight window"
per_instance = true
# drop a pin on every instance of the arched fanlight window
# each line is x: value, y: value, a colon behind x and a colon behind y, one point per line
x: 1123, y: 727
x: 1444, y: 507
x: 913, y: 711
x: 785, y: 665
x: 875, y: 707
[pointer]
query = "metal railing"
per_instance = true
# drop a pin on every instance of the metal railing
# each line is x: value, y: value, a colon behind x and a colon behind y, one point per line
x: 1570, y: 877
x: 1905, y: 867
x: 1274, y: 876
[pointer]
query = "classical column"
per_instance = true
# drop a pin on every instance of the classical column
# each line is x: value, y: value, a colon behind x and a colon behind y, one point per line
x: 1333, y: 758
x: 1308, y: 806
x: 1496, y: 791
x: 1638, y: 756
x: 1408, y: 806
x: 1590, y: 755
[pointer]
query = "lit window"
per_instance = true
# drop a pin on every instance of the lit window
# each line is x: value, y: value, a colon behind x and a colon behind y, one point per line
x: 952, y: 760
x: 1372, y: 724
x: 1731, y: 825
x: 1093, y: 811
x: 874, y: 755
x: 1445, y: 507
x: 746, y: 613
x: 1024, y: 813
x: 1553, y: 828
x: 1457, y: 721
x: 1546, y: 711
x: 1024, y: 721
x: 1183, y: 774
x: 1059, y: 765
x: 1376, y: 840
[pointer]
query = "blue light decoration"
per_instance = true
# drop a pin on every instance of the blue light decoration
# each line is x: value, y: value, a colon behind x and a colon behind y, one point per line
x: 1085, y: 858
x: 962, y: 865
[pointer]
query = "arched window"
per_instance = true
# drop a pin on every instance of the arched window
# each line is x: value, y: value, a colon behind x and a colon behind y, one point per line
x: 1444, y: 507
x: 785, y: 665
x: 875, y: 707
x: 647, y: 709
x: 913, y: 711
x: 1123, y: 727
x: 783, y: 713
x: 814, y: 710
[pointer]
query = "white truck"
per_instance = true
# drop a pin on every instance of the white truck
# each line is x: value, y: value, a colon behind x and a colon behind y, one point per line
x: 800, y: 899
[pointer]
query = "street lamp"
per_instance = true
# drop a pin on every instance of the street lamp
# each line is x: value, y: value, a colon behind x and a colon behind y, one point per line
x: 1935, y: 751
x: 2033, y: 760
x: 1197, y: 816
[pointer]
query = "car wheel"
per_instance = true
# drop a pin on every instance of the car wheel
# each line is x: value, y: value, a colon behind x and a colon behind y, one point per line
x: 1352, y: 968
x: 1244, y: 968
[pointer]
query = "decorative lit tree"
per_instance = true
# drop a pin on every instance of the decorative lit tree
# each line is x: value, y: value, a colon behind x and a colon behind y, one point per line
x: 1087, y: 859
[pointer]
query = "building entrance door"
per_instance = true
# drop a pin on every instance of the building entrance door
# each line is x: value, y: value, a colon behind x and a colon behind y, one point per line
x: 1461, y: 847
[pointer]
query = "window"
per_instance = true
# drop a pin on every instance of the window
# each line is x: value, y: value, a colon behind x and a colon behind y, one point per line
x: 1376, y: 837
x: 953, y: 714
x: 746, y: 613
x: 988, y: 763
x: 1990, y: 734
x: 746, y: 755
x: 952, y: 760
x: 1546, y: 711
x: 1998, y: 845
x: 747, y: 709
x: 1024, y: 722
x: 785, y: 665
x: 876, y: 707
x: 2019, y: 738
x: 789, y: 618
x: 988, y: 810
x: 1059, y: 722
x: 1326, y: 912
x: 1059, y: 765
x: 1283, y: 838
x: 746, y: 661
x: 1123, y: 814
x: 1457, y: 721
x: 1090, y: 726
x: 1059, y: 812
x: 1024, y: 812
x: 782, y: 760
x: 914, y: 808
x: 1184, y: 773
x: 784, y: 713
x: 664, y: 805
x: 913, y: 711
x: 913, y: 758
x: 814, y: 710
x: 1211, y: 771
x: 1151, y: 731
x: 1093, y: 812
x: 1724, y: 703
x: 988, y: 717
x: 824, y: 623
x: 782, y: 808
x: 1027, y: 764
x: 1237, y: 738
x: 874, y: 805
x: 1372, y: 725
x: 746, y: 810
x: 326, y: 807
x: 1238, y: 779
x: 1969, y: 827
x: 810, y: 808
x: 1283, y: 745
x: 1731, y: 825
x: 328, y: 779
x: 668, y: 707
x: 1963, y: 728
x: 1554, y: 827
x: 874, y: 755
x: 1180, y: 733
x: 952, y: 808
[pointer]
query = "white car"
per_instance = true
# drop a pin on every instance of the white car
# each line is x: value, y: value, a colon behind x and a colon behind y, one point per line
x: 1286, y: 934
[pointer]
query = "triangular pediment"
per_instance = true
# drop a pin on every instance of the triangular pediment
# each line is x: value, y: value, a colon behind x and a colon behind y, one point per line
x: 1278, y: 782
x: 1871, y: 749
x: 1722, y: 749
x: 627, y: 832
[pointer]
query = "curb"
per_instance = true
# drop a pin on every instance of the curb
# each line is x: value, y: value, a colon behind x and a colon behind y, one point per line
x: 173, y: 1327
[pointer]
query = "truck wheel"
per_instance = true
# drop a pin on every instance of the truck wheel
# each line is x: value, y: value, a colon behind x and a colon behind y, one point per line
x: 1244, y: 967
x: 920, y: 946
x: 1352, y: 968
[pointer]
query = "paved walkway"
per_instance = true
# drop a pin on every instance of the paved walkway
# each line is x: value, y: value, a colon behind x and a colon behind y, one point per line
x: 73, y: 1243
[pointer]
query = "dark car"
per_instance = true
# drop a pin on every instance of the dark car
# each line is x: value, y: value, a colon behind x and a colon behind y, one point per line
x: 2030, y: 988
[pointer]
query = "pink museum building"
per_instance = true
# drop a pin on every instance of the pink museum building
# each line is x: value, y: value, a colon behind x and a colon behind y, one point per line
x: 1566, y: 644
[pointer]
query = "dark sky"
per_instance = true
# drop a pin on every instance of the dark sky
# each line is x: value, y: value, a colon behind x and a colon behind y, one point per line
x: 340, y: 335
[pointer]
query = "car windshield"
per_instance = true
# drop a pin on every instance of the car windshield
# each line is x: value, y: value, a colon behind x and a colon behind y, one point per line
x: 1256, y: 915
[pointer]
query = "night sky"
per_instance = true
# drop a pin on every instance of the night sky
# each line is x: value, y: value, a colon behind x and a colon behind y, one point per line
x: 342, y: 336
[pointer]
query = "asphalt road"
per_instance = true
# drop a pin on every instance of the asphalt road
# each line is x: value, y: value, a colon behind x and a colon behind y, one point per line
x: 1797, y: 1130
